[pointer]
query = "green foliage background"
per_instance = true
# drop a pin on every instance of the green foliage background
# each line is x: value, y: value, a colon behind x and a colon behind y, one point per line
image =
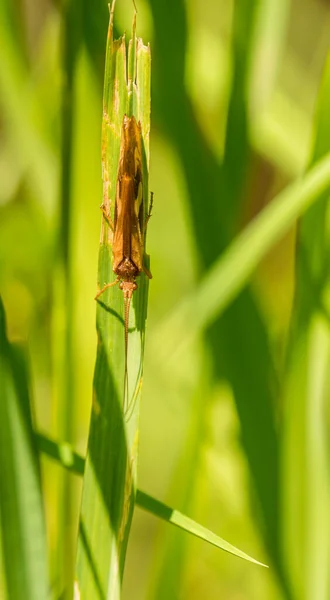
x: 235, y: 422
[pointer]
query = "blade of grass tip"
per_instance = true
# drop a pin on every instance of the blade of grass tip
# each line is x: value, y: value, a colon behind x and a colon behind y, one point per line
x: 305, y: 451
x: 170, y: 552
x: 64, y: 455
x: 22, y: 520
x: 110, y: 474
x: 131, y: 68
x: 183, y: 522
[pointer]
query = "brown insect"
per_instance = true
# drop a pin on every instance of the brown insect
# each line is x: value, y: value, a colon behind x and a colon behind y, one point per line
x: 129, y: 224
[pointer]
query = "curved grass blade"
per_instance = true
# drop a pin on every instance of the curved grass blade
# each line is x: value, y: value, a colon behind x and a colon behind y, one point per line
x: 232, y: 270
x: 72, y: 461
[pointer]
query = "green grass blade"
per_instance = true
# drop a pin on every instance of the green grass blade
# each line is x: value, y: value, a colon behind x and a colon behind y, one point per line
x: 72, y: 461
x: 22, y: 521
x: 110, y: 474
x: 234, y: 268
x: 248, y: 365
x: 19, y: 104
x: 269, y: 46
x: 170, y: 556
x: 236, y: 151
x: 63, y: 289
x: 213, y: 212
x: 306, y: 480
x: 62, y: 453
x: 176, y: 518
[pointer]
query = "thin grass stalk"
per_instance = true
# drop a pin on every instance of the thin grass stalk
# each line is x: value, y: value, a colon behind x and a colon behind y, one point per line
x: 63, y: 363
x: 305, y: 440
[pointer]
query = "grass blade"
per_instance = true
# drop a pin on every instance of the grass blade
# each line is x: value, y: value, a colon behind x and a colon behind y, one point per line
x: 22, y: 520
x: 233, y: 269
x: 250, y: 374
x: 158, y: 509
x: 306, y: 482
x: 63, y: 290
x: 62, y: 453
x: 236, y: 151
x: 72, y: 461
x: 110, y: 474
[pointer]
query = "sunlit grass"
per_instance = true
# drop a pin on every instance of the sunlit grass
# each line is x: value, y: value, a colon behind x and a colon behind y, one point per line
x: 233, y: 430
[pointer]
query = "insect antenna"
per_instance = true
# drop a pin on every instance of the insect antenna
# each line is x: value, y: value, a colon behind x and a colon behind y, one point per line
x: 128, y: 287
x: 127, y: 305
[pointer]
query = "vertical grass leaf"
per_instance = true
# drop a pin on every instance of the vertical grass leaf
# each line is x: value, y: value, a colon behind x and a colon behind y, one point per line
x: 110, y: 474
x: 21, y: 510
x: 305, y: 451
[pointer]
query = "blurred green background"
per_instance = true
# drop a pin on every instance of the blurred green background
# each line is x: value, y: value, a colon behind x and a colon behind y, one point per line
x: 234, y: 87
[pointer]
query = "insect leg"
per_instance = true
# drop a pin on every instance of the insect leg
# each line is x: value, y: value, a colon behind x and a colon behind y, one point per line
x: 108, y: 285
x: 107, y: 216
x: 146, y: 271
x: 105, y: 207
x: 142, y: 237
x: 149, y: 211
